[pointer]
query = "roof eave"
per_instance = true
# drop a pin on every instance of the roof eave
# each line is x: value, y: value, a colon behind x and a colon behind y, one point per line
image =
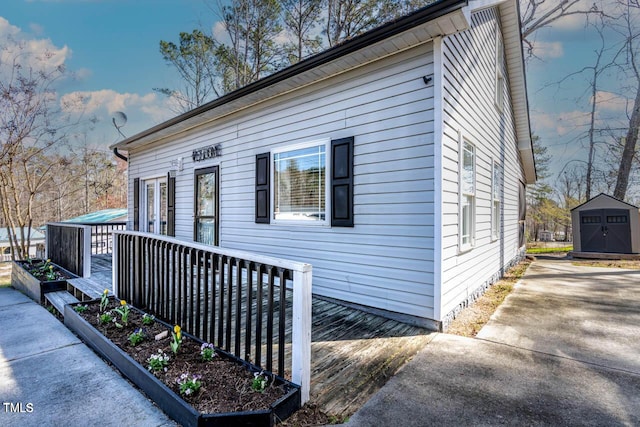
x: 510, y: 14
x: 378, y: 34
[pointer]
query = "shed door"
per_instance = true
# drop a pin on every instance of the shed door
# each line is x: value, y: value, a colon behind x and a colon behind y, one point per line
x: 605, y: 230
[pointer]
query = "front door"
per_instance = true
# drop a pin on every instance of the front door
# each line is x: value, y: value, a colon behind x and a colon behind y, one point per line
x: 605, y: 230
x: 206, y: 209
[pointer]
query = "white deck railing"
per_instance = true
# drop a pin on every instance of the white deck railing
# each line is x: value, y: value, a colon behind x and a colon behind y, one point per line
x: 235, y: 299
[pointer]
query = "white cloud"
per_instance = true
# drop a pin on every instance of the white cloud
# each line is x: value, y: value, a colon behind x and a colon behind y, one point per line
x: 611, y: 102
x: 219, y: 30
x: 106, y: 100
x: 570, y: 22
x: 83, y: 73
x: 29, y: 51
x: 143, y: 110
x: 548, y: 50
x: 573, y: 21
x: 6, y: 29
x: 559, y: 124
x: 36, y: 29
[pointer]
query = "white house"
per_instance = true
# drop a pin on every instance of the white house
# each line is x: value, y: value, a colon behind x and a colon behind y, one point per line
x: 394, y: 163
x: 36, y: 243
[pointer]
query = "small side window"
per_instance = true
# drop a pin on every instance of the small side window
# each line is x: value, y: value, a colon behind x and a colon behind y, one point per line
x: 496, y: 217
x: 467, y: 187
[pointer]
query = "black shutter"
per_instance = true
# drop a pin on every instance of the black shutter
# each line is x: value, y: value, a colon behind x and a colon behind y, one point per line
x: 342, y: 182
x: 171, y: 206
x: 136, y: 204
x: 262, y: 188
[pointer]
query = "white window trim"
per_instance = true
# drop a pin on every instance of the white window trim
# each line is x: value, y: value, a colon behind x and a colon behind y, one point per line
x: 327, y: 199
x: 157, y: 203
x: 495, y: 228
x: 465, y: 247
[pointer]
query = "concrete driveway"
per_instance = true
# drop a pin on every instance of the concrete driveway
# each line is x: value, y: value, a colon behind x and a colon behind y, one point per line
x: 48, y: 377
x: 563, y: 349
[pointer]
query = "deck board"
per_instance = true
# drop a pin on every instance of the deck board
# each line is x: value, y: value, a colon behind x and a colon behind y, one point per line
x: 353, y: 353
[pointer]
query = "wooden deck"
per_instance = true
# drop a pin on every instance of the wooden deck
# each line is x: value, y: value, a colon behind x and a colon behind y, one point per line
x: 353, y: 353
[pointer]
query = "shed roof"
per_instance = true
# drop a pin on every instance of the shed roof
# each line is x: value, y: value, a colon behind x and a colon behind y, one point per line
x: 440, y: 18
x: 106, y: 215
x: 4, y: 235
x: 599, y: 198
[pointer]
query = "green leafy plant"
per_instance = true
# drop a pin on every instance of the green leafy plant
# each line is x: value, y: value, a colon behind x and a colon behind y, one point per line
x: 42, y: 270
x: 189, y: 384
x: 207, y: 351
x: 46, y: 270
x: 49, y: 274
x: 136, y: 337
x: 148, y: 320
x: 105, y: 318
x: 158, y: 362
x: 104, y: 300
x: 80, y: 308
x: 260, y: 382
x: 123, y: 311
x: 176, y: 339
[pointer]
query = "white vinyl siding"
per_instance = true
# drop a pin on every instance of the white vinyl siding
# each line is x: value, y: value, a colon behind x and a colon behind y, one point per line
x: 387, y: 259
x: 469, y: 70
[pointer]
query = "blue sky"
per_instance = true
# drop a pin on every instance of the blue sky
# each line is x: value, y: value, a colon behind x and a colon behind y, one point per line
x: 112, y: 47
x: 116, y: 41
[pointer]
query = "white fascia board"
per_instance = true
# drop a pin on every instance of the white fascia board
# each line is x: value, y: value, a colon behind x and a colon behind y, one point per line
x: 477, y: 5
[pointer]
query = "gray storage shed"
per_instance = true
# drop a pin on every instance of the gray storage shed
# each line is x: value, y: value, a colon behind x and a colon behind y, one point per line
x: 606, y: 224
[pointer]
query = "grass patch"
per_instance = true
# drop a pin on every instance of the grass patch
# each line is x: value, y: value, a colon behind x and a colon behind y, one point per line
x: 5, y: 274
x: 470, y: 320
x: 536, y: 251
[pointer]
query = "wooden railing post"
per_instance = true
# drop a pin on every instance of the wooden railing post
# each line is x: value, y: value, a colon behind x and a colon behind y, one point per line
x: 86, y: 251
x: 301, y: 333
x: 114, y: 264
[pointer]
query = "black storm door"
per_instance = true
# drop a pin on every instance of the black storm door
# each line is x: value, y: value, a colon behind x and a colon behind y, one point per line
x: 206, y: 206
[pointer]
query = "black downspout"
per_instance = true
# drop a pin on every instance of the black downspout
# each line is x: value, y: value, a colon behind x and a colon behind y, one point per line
x: 120, y: 156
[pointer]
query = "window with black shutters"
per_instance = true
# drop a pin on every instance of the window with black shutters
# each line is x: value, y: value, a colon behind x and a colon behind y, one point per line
x: 305, y: 185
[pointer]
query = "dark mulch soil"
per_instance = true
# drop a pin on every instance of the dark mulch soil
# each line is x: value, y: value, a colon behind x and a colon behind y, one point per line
x: 40, y: 268
x: 226, y: 386
x: 309, y: 415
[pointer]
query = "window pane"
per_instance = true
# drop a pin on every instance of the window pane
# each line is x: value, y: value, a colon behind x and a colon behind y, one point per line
x: 206, y: 194
x: 467, y: 212
x: 151, y: 216
x: 163, y: 208
x: 496, y: 218
x: 299, y: 184
x: 496, y: 182
x: 468, y: 170
x: 206, y: 231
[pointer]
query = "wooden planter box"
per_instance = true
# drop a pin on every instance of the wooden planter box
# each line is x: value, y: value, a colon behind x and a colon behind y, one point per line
x: 22, y: 280
x: 170, y: 402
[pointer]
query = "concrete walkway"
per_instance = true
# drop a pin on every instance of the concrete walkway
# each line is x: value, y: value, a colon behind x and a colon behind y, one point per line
x: 48, y: 377
x: 564, y: 349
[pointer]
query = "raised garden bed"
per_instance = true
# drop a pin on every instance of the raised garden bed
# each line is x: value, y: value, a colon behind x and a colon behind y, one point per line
x: 226, y: 396
x: 37, y: 277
